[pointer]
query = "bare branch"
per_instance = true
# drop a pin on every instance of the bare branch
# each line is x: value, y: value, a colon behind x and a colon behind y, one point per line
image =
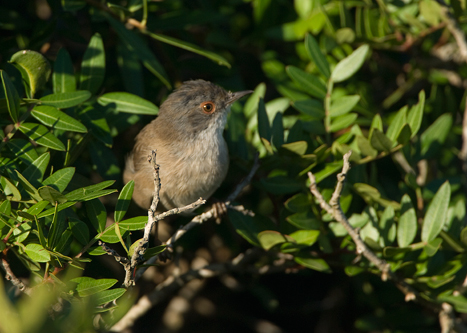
x: 454, y: 28
x: 334, y: 209
x: 12, y: 277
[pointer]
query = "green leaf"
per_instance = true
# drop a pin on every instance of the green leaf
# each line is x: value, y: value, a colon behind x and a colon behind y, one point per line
x: 317, y: 56
x: 35, y: 172
x: 329, y: 169
x: 310, y: 107
x: 8, y: 185
x: 96, y: 213
x: 51, y: 116
x: 131, y: 70
x: 41, y: 135
x: 297, y: 147
x: 281, y: 185
x: 387, y: 226
x: 305, y: 237
x: 435, y: 135
x: 277, y: 130
x: 107, y: 296
x: 349, y: 65
x: 65, y: 100
x: 190, y: 47
x: 60, y: 179
x: 80, y: 231
x: 135, y: 223
x: 37, y: 252
x: 380, y: 141
x: 152, y: 251
x: 298, y: 203
x: 123, y: 201
x: 343, y: 105
x: 34, y: 68
x: 23, y: 149
x: 37, y: 208
x: 307, y: 82
x: 397, y: 124
x: 136, y: 45
x: 11, y: 95
x: 93, y: 65
x: 342, y: 122
x: 126, y: 102
x: 264, y: 127
x: 97, y: 124
x: 63, y: 76
x: 26, y: 185
x: 81, y: 192
x: 73, y: 5
x: 414, y: 117
x: 304, y: 220
x: 316, y: 264
x: 407, y: 228
x: 270, y: 238
x: 245, y: 226
x: 51, y: 195
x: 61, y: 207
x: 436, y: 214
x: 432, y: 246
x: 89, y: 286
x: 365, y: 146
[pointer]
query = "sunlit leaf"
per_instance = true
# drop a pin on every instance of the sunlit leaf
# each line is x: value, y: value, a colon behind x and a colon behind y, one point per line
x: 316, y: 55
x: 126, y: 102
x: 435, y: 216
x: 93, y: 65
x: 34, y: 68
x: 407, y: 228
x: 63, y: 76
x: 51, y: 116
x: 349, y: 65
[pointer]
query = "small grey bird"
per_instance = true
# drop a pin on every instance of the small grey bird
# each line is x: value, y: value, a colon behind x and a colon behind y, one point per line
x: 191, y: 150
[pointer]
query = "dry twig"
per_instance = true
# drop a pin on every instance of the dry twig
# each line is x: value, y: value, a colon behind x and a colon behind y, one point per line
x: 12, y: 277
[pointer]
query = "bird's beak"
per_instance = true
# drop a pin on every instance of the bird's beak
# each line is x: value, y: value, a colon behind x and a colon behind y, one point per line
x: 237, y: 95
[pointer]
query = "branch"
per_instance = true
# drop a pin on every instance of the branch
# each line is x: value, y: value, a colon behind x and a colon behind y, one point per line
x: 241, y: 264
x: 10, y: 276
x: 454, y: 28
x: 199, y: 219
x: 334, y: 209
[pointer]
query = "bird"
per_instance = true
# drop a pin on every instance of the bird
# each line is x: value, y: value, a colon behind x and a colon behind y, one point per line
x: 191, y: 151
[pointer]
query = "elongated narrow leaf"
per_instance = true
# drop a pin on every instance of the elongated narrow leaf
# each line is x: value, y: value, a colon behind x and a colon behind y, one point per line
x: 97, y: 214
x: 397, y: 124
x: 79, y: 193
x: 123, y: 201
x: 35, y: 172
x: 343, y: 105
x: 264, y: 127
x: 42, y: 136
x: 37, y: 252
x: 317, y: 56
x: 51, y: 116
x: 89, y: 286
x: 93, y: 65
x: 436, y: 214
x: 190, y: 47
x: 60, y: 179
x: 63, y: 76
x: 126, y: 102
x: 407, y: 228
x: 380, y: 141
x: 305, y: 237
x: 310, y: 107
x: 106, y: 296
x: 350, y: 65
x: 435, y: 135
x: 34, y: 68
x: 23, y: 149
x: 135, y: 44
x: 315, y: 264
x: 28, y: 187
x: 307, y: 82
x: 269, y: 238
x: 51, y: 211
x: 414, y: 117
x: 11, y: 95
x: 80, y: 231
x: 10, y: 189
x: 51, y: 195
x: 37, y: 208
x: 66, y: 99
x: 342, y: 122
x: 131, y: 70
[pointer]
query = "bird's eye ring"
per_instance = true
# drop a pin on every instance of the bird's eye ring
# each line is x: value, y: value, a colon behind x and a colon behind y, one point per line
x: 208, y: 107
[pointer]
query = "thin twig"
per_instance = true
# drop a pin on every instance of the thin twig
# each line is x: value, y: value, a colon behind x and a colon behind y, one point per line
x: 334, y: 209
x: 454, y: 28
x: 199, y: 219
x: 12, y: 277
x: 240, y: 264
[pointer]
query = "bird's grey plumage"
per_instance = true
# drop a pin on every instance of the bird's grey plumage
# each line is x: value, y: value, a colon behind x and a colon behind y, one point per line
x: 191, y: 150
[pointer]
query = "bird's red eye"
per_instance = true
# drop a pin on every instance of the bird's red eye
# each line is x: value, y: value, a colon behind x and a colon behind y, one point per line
x: 208, y: 107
